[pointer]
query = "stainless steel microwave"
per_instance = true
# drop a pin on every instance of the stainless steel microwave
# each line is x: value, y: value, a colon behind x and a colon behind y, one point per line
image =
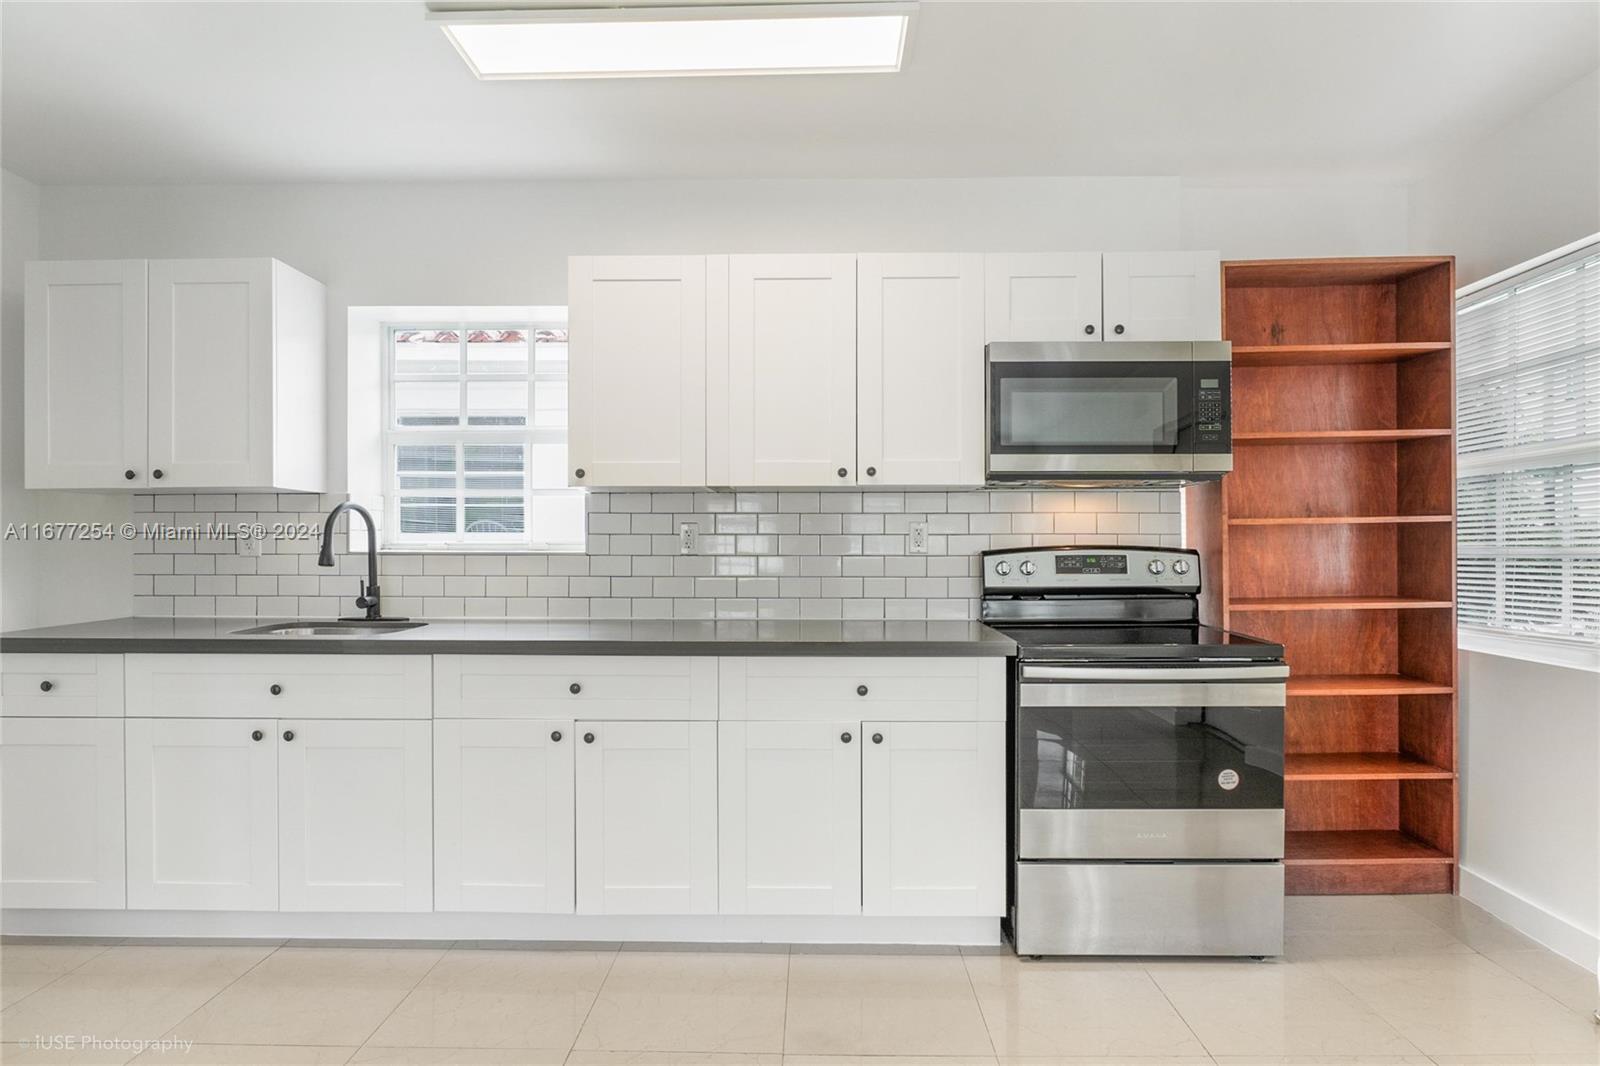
x: 1060, y: 412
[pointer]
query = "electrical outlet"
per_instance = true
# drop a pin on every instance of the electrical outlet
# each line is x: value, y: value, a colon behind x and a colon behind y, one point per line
x: 688, y: 538
x: 917, y: 543
x: 250, y: 546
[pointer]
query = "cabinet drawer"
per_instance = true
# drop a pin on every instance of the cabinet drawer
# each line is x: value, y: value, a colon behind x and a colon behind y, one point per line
x: 61, y: 686
x: 898, y: 689
x: 614, y: 687
x: 308, y: 686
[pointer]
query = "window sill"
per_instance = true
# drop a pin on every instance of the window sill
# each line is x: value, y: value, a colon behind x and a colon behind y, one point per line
x: 1568, y: 654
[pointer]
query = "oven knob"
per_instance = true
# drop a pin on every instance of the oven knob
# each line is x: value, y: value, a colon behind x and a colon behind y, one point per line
x: 1027, y: 568
x: 1180, y: 566
x: 1002, y: 568
x: 1157, y: 566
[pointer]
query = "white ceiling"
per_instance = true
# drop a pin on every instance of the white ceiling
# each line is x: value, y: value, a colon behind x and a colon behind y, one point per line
x: 272, y: 92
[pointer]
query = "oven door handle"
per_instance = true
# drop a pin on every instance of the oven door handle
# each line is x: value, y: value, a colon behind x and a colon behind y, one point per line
x: 1154, y: 694
x: 1039, y: 672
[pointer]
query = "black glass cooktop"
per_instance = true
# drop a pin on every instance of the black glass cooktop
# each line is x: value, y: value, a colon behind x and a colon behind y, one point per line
x: 1137, y: 642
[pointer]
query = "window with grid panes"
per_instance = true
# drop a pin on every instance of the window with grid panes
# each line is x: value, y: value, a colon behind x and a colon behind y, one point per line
x: 1528, y: 467
x: 475, y: 438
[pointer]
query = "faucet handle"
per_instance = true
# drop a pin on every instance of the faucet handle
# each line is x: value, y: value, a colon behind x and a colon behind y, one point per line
x: 368, y: 597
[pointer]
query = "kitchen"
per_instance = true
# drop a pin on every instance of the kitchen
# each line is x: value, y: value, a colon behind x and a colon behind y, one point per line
x: 730, y: 520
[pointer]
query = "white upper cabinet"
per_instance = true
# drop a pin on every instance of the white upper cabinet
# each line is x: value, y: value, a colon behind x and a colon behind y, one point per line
x: 85, y: 340
x: 919, y: 366
x: 175, y: 373
x: 1042, y: 296
x: 790, y: 824
x: 637, y: 385
x: 782, y: 382
x: 1163, y: 296
x: 61, y: 813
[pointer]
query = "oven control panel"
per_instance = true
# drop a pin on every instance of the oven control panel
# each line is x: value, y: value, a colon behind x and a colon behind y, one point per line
x: 1041, y: 570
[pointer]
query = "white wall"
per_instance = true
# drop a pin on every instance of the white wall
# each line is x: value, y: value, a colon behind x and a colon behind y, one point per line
x: 1529, y: 187
x: 1530, y: 733
x: 43, y: 583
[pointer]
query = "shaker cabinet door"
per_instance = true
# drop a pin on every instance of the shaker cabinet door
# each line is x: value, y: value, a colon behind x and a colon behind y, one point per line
x: 1042, y: 296
x: 784, y: 391
x: 1163, y: 296
x: 61, y: 813
x: 920, y: 370
x: 503, y: 815
x: 211, y: 375
x: 355, y: 815
x: 202, y: 814
x: 790, y: 826
x: 933, y: 818
x: 647, y: 817
x: 85, y: 348
x: 637, y: 387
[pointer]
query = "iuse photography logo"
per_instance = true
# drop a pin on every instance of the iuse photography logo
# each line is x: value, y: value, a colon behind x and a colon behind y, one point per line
x: 90, y: 1042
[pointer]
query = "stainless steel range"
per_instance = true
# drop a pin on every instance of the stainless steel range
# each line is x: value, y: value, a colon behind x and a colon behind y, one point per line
x: 1147, y: 759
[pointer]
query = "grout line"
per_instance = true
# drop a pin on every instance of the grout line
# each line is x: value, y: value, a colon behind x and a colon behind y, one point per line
x: 449, y: 947
x: 599, y: 989
x: 252, y: 969
x: 977, y: 1001
x: 788, y: 982
x: 1144, y: 971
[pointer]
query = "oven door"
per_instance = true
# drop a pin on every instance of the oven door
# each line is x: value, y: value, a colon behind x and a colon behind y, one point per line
x: 1090, y: 408
x: 1137, y: 762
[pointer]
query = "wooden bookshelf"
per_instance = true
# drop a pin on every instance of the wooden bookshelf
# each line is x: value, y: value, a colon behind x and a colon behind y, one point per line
x: 1335, y: 535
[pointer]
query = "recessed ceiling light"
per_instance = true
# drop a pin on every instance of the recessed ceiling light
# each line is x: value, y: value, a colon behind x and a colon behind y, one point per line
x: 681, y: 42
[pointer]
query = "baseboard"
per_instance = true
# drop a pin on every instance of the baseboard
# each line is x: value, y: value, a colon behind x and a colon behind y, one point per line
x: 1532, y: 920
x: 700, y: 929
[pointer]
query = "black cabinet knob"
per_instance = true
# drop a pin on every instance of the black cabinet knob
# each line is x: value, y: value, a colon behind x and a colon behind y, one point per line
x: 574, y: 688
x: 872, y: 471
x: 46, y: 686
x: 877, y: 738
x: 861, y: 690
x: 276, y: 690
x: 1089, y: 329
x: 156, y: 474
x: 845, y: 737
x: 256, y: 734
x: 843, y: 472
x: 588, y: 738
x: 556, y: 736
x: 578, y: 473
x: 1118, y: 328
x: 288, y: 734
x: 129, y: 474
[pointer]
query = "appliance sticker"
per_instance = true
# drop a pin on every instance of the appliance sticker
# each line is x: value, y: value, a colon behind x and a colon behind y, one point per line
x: 1228, y: 779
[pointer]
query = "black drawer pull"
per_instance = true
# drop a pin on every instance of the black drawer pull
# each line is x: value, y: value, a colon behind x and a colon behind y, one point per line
x: 256, y: 735
x: 845, y: 737
x: 288, y: 734
x: 46, y: 686
x: 276, y: 690
x: 877, y: 738
x: 588, y: 738
x: 556, y: 736
x: 861, y: 690
x: 574, y: 688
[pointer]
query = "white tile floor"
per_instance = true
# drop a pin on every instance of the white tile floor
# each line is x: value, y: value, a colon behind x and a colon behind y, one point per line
x: 1365, y: 980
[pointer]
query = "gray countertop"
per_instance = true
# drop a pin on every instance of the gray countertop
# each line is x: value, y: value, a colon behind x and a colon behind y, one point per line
x: 530, y: 637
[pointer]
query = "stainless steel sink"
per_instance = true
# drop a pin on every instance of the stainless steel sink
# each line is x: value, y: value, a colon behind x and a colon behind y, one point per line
x: 328, y: 629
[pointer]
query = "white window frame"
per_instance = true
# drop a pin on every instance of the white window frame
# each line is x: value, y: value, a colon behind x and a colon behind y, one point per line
x: 461, y: 435
x: 1552, y: 650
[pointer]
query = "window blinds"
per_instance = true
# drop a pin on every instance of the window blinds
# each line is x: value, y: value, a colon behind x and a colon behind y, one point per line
x: 1528, y: 437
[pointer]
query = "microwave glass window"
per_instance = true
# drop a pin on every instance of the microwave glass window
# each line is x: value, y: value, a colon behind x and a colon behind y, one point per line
x: 1135, y: 412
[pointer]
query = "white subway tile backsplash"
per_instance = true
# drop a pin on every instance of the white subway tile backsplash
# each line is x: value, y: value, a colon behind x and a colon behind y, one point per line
x: 762, y: 556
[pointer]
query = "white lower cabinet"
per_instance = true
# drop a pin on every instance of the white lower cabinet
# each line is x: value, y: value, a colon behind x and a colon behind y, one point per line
x: 312, y: 815
x: 789, y: 794
x: 355, y: 816
x: 61, y: 804
x: 503, y: 816
x: 647, y: 817
x: 202, y: 814
x: 933, y: 818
